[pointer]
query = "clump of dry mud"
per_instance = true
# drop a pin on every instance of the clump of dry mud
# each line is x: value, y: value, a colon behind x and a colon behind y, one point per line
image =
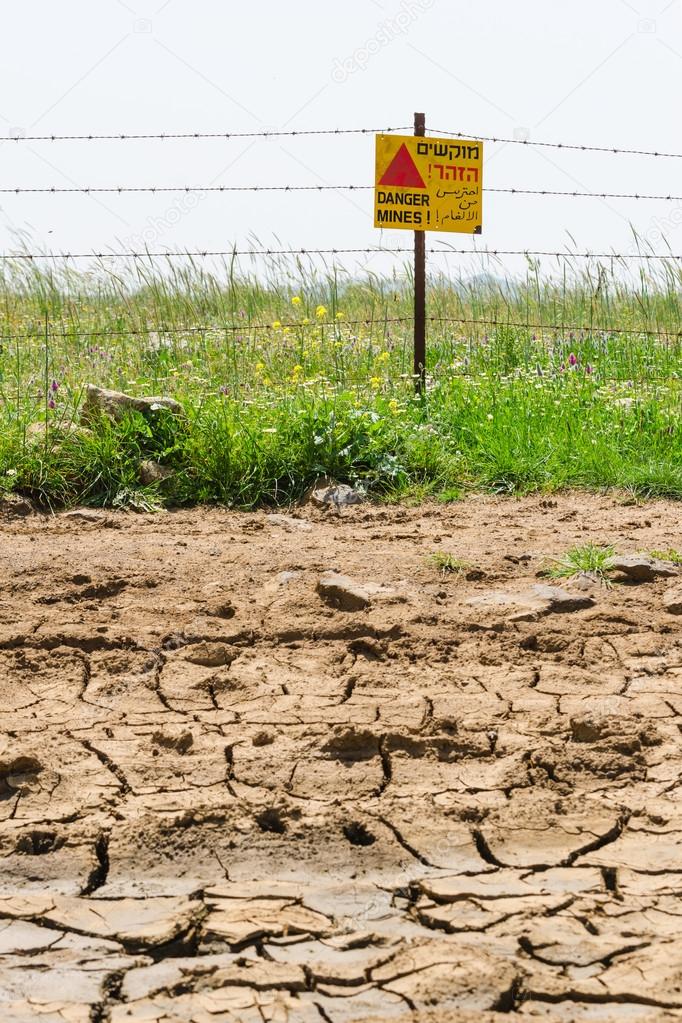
x: 236, y: 787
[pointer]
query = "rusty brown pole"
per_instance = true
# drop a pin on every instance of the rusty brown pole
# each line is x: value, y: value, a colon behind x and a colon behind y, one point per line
x: 420, y: 289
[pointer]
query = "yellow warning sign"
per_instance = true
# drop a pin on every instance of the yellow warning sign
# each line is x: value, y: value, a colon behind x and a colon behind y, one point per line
x: 427, y: 184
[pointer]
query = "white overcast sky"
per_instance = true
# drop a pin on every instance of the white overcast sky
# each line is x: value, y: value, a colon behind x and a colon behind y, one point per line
x: 599, y: 72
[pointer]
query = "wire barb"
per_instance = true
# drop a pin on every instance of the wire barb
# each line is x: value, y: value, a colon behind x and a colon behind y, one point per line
x: 558, y: 145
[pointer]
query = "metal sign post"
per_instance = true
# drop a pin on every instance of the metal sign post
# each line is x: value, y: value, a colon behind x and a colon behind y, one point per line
x: 427, y: 184
x: 420, y: 288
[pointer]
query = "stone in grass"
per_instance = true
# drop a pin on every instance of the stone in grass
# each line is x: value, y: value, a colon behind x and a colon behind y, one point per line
x: 326, y: 493
x: 15, y: 507
x: 343, y: 592
x: 153, y: 472
x: 641, y: 568
x: 40, y: 433
x: 115, y: 404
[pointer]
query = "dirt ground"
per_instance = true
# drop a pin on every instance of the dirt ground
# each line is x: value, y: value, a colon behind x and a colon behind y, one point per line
x: 223, y: 797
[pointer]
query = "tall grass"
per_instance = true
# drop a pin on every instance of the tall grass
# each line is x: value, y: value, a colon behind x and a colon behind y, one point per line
x: 293, y: 371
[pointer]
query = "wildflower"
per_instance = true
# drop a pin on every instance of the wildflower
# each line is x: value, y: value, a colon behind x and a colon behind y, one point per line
x: 572, y: 360
x: 375, y: 383
x: 54, y: 386
x: 297, y: 370
x: 305, y: 321
x: 321, y: 312
x: 224, y: 390
x: 589, y: 370
x: 260, y: 366
x: 276, y: 325
x: 383, y: 357
x: 340, y: 316
x: 51, y: 403
x: 393, y: 407
x: 11, y: 472
x: 296, y: 300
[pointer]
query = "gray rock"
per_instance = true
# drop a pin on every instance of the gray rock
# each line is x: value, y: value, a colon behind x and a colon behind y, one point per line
x: 288, y: 522
x: 672, y: 600
x: 641, y: 568
x: 153, y: 472
x: 84, y: 515
x: 343, y: 592
x: 38, y: 433
x: 15, y: 507
x: 532, y: 604
x: 561, y: 600
x: 114, y: 404
x: 328, y: 494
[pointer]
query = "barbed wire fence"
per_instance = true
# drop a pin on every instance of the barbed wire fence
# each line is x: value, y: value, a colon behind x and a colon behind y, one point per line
x: 444, y: 250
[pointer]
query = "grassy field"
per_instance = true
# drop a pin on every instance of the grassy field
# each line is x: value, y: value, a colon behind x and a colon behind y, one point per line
x: 573, y: 380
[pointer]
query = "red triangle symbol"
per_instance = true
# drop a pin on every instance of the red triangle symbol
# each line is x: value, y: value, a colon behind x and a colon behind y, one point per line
x: 402, y: 171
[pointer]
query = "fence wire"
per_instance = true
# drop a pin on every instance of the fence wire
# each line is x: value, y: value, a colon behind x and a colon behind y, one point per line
x: 62, y: 332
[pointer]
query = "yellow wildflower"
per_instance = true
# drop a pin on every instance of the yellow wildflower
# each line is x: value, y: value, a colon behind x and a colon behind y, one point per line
x: 321, y: 312
x: 296, y: 300
x: 340, y: 316
x: 276, y: 325
x: 375, y: 383
x: 383, y: 357
x: 393, y: 407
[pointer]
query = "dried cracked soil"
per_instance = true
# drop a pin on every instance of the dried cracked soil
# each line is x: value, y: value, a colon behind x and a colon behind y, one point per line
x: 226, y: 793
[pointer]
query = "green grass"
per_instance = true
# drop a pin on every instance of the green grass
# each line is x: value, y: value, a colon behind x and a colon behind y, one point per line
x: 672, y: 555
x: 315, y: 380
x: 586, y: 558
x: 448, y: 564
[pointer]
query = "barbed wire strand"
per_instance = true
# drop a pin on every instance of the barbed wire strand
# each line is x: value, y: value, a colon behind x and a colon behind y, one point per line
x: 292, y: 133
x: 55, y: 332
x: 150, y: 189
x: 192, y: 135
x: 557, y: 145
x: 203, y: 329
x: 220, y: 253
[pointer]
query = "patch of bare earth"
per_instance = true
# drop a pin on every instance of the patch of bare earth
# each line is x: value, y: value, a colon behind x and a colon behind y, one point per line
x: 236, y: 787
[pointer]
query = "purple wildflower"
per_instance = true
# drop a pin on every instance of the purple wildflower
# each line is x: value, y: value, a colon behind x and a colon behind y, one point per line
x: 589, y: 370
x: 54, y: 386
x: 51, y: 403
x: 572, y: 360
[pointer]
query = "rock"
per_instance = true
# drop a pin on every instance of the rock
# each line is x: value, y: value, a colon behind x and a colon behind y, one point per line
x: 84, y: 515
x: 586, y: 582
x: 40, y: 433
x: 328, y: 494
x: 289, y: 522
x: 153, y: 472
x: 672, y: 600
x: 114, y: 404
x: 210, y: 655
x: 343, y: 592
x: 15, y: 507
x: 533, y: 604
x: 561, y: 600
x: 641, y: 568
